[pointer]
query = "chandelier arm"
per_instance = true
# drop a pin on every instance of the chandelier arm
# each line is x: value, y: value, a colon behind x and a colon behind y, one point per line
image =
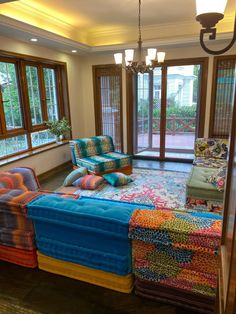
x: 212, y: 32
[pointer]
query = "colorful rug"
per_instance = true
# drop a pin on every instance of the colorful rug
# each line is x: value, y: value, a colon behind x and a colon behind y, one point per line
x: 154, y: 187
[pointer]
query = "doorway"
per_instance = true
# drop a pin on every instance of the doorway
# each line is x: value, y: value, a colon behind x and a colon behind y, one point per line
x: 168, y: 110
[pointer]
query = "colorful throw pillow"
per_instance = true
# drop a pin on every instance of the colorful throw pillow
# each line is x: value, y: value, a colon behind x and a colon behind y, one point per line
x: 218, y: 178
x: 88, y: 182
x: 74, y: 175
x: 117, y: 178
x: 12, y: 181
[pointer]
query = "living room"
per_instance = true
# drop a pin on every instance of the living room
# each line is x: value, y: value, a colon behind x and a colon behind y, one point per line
x: 69, y: 48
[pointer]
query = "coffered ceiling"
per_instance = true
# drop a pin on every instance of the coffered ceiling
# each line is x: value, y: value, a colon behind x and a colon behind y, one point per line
x: 99, y: 23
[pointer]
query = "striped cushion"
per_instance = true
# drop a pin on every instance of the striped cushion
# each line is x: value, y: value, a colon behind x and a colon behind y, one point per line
x: 117, y: 178
x: 74, y: 175
x: 104, y: 162
x: 12, y: 181
x: 89, y: 182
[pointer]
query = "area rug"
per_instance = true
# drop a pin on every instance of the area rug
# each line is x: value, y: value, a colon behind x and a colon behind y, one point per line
x: 154, y: 187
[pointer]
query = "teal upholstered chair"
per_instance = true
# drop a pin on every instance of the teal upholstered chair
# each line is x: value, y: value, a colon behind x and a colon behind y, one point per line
x: 98, y: 155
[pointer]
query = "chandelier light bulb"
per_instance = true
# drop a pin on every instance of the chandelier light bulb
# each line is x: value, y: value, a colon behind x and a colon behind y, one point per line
x: 129, y: 55
x: 148, y: 61
x: 161, y: 57
x: 210, y: 6
x: 118, y: 58
x: 152, y: 52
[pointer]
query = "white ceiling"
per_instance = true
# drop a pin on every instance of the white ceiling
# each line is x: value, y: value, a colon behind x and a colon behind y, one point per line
x: 100, y: 23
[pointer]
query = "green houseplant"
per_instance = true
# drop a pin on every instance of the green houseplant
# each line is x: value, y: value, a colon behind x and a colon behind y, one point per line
x: 59, y: 128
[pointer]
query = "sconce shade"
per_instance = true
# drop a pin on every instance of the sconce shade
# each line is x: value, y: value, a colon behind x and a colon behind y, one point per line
x: 210, y: 6
x: 129, y: 55
x: 152, y: 53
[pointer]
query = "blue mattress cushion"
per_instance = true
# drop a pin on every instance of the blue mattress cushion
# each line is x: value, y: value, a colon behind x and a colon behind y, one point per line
x: 91, y: 232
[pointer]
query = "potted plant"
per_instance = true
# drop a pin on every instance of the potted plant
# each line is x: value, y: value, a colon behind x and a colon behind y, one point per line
x: 59, y: 128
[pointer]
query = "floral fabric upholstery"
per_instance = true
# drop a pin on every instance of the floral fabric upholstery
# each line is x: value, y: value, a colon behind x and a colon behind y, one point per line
x: 176, y: 249
x: 97, y: 154
x: 209, y: 162
x: 202, y: 205
x: 218, y: 178
x: 211, y: 148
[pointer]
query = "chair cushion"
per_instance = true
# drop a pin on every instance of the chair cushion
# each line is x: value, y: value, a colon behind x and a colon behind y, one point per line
x: 96, y: 145
x: 198, y: 187
x: 211, y: 148
x: 74, y: 175
x: 218, y: 178
x: 88, y: 182
x: 30, y: 179
x: 209, y: 162
x: 117, y: 178
x: 104, y: 162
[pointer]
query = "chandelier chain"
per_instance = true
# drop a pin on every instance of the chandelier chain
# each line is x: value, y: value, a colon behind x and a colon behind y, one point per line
x: 139, y: 20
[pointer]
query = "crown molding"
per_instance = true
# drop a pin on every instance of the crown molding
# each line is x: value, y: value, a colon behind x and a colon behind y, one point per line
x: 27, y: 31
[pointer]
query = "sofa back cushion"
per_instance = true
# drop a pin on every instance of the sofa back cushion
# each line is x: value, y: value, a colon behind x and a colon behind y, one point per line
x: 211, y: 148
x: 91, y: 146
x: 29, y: 177
x: 12, y: 181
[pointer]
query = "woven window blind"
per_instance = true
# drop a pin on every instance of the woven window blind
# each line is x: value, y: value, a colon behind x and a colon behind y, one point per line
x: 108, y: 104
x: 223, y: 96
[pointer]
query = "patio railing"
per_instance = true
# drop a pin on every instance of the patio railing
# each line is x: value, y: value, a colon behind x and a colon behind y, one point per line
x: 174, y: 125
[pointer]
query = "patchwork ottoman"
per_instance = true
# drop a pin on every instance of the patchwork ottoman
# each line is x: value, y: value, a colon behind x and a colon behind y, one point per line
x: 87, y: 232
x: 201, y: 194
x: 176, y: 252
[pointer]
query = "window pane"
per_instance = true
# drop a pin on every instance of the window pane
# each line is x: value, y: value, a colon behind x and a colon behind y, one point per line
x: 34, y: 96
x: 41, y: 138
x: 10, y: 96
x: 51, y: 93
x: 13, y: 145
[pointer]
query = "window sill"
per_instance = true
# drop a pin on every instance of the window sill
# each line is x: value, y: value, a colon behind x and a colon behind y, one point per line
x: 34, y: 152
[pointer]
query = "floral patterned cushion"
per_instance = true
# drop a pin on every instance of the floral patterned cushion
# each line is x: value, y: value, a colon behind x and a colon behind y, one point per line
x: 218, y: 178
x: 117, y: 178
x: 211, y: 148
x: 209, y: 162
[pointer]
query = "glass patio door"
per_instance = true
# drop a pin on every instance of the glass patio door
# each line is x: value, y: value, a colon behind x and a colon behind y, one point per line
x: 167, y: 110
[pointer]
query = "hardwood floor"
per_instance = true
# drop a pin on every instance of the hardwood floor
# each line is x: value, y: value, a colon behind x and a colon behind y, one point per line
x: 42, y: 292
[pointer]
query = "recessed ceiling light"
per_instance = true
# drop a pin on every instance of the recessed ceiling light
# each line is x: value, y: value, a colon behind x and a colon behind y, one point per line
x: 33, y: 39
x: 74, y: 50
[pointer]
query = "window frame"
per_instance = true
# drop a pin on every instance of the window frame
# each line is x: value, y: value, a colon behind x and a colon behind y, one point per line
x: 20, y: 62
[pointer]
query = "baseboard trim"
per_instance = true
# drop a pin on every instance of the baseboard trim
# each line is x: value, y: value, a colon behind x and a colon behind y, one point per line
x: 51, y: 172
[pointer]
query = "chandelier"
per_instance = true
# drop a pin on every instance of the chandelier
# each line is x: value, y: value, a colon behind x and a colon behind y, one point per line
x: 209, y: 13
x: 140, y: 66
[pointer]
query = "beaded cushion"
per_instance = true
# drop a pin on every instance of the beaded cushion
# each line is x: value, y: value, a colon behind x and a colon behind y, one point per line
x: 176, y: 249
x: 117, y: 178
x: 211, y: 148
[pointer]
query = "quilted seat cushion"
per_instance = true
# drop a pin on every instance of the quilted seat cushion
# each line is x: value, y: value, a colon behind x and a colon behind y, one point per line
x: 209, y: 162
x: 197, y: 186
x: 104, y: 162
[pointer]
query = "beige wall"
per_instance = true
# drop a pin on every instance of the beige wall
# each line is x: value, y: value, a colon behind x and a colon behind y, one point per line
x: 50, y: 159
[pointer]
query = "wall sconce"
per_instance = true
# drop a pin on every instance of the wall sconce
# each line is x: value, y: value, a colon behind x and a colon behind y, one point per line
x: 209, y: 13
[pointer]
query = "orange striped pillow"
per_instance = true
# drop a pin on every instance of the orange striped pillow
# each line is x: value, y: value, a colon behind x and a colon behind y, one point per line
x: 88, y: 182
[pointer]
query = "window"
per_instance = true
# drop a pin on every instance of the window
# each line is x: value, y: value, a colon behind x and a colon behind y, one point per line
x: 108, y: 102
x: 30, y: 94
x: 222, y: 96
